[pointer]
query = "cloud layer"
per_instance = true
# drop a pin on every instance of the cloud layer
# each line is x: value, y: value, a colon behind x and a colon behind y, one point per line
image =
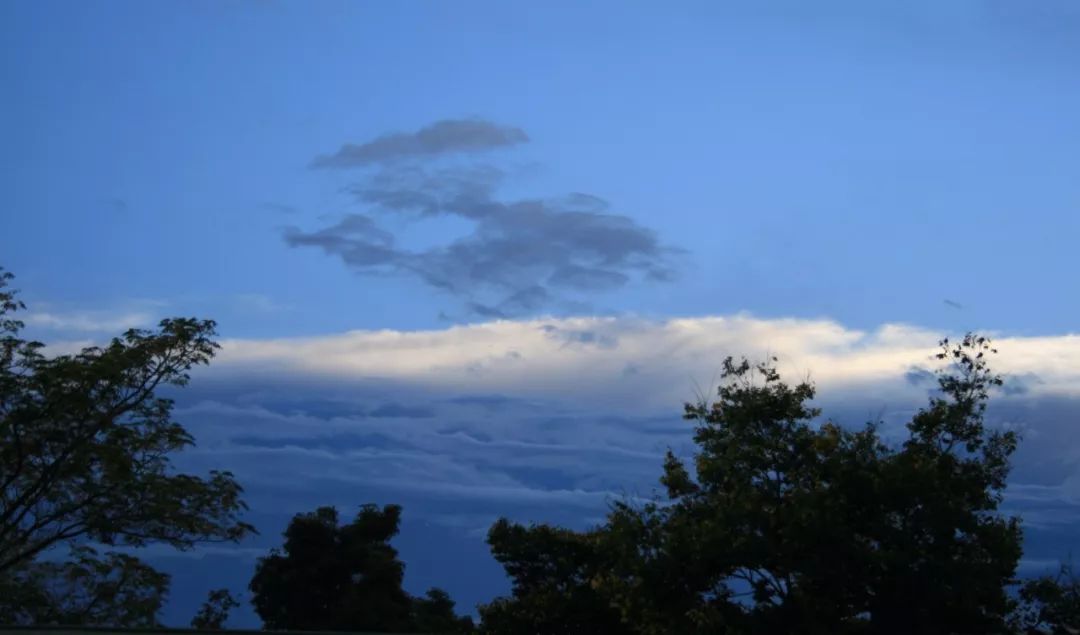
x: 518, y: 256
x: 550, y: 419
x: 608, y: 361
x: 88, y: 321
x: 538, y: 411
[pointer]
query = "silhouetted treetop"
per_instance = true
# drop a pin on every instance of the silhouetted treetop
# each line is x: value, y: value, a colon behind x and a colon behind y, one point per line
x: 782, y: 523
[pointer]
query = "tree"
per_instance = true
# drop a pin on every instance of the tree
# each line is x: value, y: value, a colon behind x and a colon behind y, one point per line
x: 339, y: 577
x: 552, y: 570
x: 116, y: 590
x: 1050, y: 604
x: 434, y: 613
x: 215, y: 610
x: 945, y: 549
x: 86, y: 446
x: 784, y: 523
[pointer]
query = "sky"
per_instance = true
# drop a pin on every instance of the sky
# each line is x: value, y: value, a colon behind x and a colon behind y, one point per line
x: 472, y: 257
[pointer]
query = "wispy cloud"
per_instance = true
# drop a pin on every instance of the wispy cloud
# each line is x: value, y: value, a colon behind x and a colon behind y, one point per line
x: 448, y: 136
x: 88, y: 321
x: 280, y: 208
x: 259, y: 303
x: 519, y: 257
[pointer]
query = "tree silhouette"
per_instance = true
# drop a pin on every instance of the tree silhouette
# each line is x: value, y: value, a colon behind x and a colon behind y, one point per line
x: 784, y: 523
x: 215, y: 610
x: 342, y: 577
x: 1050, y: 604
x: 434, y: 613
x: 85, y: 456
x: 114, y: 590
x: 551, y: 570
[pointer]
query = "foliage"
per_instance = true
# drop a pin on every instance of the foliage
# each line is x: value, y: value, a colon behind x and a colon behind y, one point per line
x: 85, y: 457
x: 552, y: 570
x: 434, y: 613
x: 215, y: 610
x: 341, y: 577
x: 1050, y: 604
x: 785, y: 524
x: 116, y: 590
x: 85, y: 444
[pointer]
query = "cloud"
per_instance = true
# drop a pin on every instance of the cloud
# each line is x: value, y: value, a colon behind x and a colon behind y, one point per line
x: 578, y: 336
x: 550, y: 420
x: 394, y: 410
x: 279, y: 208
x: 517, y: 257
x: 447, y: 136
x: 919, y: 376
x: 259, y: 303
x: 88, y: 321
x: 117, y: 205
x: 584, y: 361
x: 587, y: 279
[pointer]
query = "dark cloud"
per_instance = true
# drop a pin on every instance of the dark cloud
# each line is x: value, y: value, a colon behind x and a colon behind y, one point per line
x: 118, y: 205
x: 585, y: 337
x: 280, y: 208
x: 464, y: 191
x: 520, y: 302
x: 356, y: 239
x: 336, y: 442
x: 490, y: 402
x: 588, y: 279
x: 918, y: 376
x: 1015, y: 385
x: 306, y: 441
x: 442, y: 137
x: 394, y: 410
x: 520, y: 257
x: 1012, y: 386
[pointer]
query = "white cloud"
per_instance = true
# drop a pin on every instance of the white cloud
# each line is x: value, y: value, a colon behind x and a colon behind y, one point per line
x: 540, y: 418
x: 88, y: 321
x: 585, y: 360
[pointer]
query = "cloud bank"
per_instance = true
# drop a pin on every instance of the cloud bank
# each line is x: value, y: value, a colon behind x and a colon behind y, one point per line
x: 631, y: 363
x: 551, y: 419
x: 573, y: 411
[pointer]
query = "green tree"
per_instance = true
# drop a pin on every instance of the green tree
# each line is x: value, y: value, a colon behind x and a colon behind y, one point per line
x: 330, y: 576
x: 788, y: 524
x: 215, y: 610
x: 86, y: 447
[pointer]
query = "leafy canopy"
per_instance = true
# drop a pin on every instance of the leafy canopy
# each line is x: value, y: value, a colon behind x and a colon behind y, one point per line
x: 85, y: 457
x: 87, y: 589
x: 215, y: 610
x: 335, y: 577
x: 783, y: 523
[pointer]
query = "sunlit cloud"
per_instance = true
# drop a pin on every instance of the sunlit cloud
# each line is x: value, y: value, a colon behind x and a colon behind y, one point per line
x: 630, y: 363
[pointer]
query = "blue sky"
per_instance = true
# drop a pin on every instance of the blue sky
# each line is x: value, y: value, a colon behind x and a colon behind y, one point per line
x: 629, y: 187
